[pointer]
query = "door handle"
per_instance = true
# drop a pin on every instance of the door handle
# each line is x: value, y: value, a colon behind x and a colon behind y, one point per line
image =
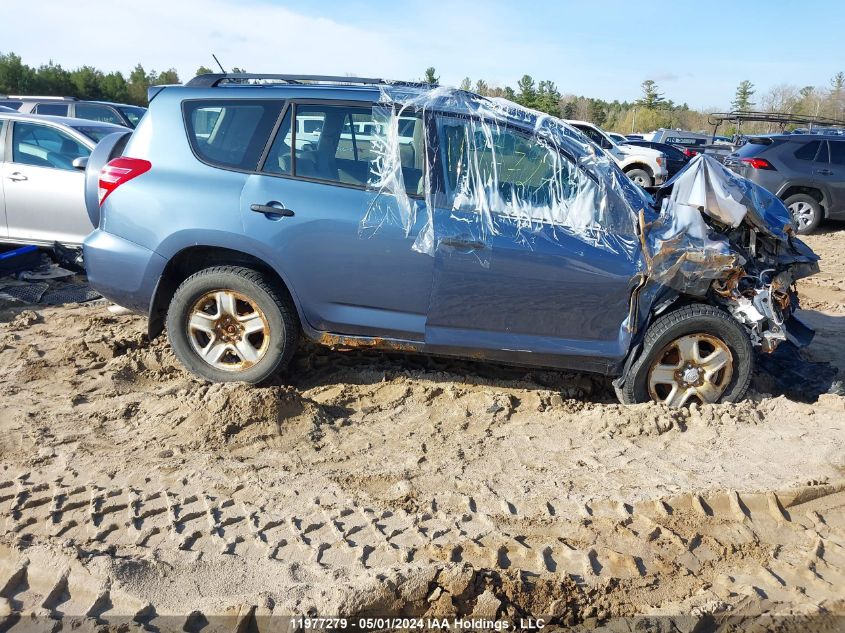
x: 462, y: 243
x: 824, y: 172
x: 17, y: 177
x: 272, y: 208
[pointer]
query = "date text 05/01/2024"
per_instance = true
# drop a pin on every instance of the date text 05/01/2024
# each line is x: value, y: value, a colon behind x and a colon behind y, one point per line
x: 420, y: 624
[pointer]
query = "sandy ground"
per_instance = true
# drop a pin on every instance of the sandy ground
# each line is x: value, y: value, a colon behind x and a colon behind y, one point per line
x: 134, y: 496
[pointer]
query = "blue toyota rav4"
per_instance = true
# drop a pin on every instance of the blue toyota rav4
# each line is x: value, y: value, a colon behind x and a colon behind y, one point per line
x: 248, y: 209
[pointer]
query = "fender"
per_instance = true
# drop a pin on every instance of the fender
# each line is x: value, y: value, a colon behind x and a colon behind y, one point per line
x: 175, y: 245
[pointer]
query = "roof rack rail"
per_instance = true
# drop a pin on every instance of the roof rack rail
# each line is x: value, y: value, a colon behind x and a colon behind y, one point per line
x: 212, y: 80
x: 43, y: 97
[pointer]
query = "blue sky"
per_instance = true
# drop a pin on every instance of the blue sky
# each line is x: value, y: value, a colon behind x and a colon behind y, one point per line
x: 697, y: 51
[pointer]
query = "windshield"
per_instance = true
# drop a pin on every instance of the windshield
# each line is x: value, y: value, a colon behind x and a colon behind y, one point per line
x: 133, y: 113
x: 96, y: 133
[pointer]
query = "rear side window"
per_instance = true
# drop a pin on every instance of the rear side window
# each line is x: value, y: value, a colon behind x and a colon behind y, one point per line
x: 51, y: 109
x: 230, y: 133
x: 837, y: 152
x: 342, y: 144
x: 10, y: 103
x: 94, y: 112
x: 808, y: 151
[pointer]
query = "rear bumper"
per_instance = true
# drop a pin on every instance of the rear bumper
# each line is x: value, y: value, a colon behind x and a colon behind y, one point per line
x: 122, y: 271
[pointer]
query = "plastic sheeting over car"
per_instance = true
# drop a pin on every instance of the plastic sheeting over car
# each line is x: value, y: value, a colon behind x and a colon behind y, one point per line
x: 507, y: 171
x: 503, y: 171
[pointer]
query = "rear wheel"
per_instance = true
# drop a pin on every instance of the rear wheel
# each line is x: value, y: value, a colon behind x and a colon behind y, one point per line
x: 228, y: 324
x: 806, y: 212
x: 697, y: 353
x: 640, y: 177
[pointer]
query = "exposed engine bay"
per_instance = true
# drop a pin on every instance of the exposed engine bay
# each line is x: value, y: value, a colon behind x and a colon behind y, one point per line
x: 726, y: 239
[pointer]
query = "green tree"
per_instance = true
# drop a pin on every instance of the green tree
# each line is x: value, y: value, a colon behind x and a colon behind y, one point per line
x: 527, y: 95
x: 568, y: 110
x: 548, y: 98
x: 204, y: 70
x: 139, y: 82
x: 87, y: 82
x: 596, y: 112
x: 466, y: 84
x: 482, y: 88
x: 115, y: 88
x: 742, y: 99
x: 52, y: 79
x: 430, y: 76
x: 15, y: 76
x: 652, y: 98
x: 169, y: 76
x: 508, y: 93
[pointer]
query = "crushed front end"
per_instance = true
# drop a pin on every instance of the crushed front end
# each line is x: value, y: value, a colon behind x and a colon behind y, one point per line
x: 722, y: 238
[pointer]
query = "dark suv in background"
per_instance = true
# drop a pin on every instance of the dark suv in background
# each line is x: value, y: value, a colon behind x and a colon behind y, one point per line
x: 103, y: 111
x: 806, y: 171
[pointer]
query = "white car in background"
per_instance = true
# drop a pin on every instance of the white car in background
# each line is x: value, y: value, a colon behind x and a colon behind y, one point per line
x: 42, y: 163
x: 646, y: 167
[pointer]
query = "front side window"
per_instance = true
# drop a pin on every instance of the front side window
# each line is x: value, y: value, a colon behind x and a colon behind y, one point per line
x: 494, y: 169
x: 95, y: 112
x: 230, y: 133
x: 595, y: 136
x: 44, y: 146
x: 342, y: 144
x: 51, y: 109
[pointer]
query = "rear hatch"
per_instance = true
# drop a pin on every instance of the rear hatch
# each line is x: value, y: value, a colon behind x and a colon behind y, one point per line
x: 740, y: 161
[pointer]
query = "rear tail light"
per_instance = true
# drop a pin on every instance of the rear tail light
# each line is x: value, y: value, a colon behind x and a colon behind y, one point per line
x: 119, y: 171
x: 758, y: 163
x: 689, y: 153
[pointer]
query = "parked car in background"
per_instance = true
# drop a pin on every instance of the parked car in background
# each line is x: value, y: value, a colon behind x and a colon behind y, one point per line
x: 6, y: 109
x: 806, y: 171
x: 646, y: 167
x: 493, y: 234
x: 634, y: 137
x: 617, y: 138
x: 103, y: 111
x: 693, y: 140
x: 676, y: 158
x: 42, y: 161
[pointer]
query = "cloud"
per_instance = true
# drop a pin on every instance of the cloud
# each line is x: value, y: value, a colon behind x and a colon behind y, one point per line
x: 162, y: 33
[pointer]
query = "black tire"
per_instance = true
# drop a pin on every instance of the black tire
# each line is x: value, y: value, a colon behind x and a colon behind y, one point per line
x: 811, y: 214
x: 280, y: 318
x: 692, y: 319
x: 641, y: 177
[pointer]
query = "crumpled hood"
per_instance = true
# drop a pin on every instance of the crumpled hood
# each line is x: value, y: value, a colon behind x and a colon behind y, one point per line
x: 695, y: 238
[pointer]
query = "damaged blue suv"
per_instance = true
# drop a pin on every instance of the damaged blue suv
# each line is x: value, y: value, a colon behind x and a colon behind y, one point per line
x: 246, y: 210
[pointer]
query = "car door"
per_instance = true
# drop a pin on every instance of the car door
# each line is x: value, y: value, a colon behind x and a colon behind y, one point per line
x: 44, y: 194
x: 833, y: 176
x: 518, y: 275
x: 345, y: 249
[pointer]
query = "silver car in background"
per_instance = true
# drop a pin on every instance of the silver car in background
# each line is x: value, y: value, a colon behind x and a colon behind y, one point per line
x: 42, y: 177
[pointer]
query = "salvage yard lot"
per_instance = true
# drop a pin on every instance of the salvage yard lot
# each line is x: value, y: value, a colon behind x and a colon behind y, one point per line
x: 366, y: 483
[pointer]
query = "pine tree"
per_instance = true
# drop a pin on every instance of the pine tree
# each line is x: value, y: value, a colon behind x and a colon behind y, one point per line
x: 744, y: 92
x: 652, y: 99
x: 527, y: 95
x: 430, y: 76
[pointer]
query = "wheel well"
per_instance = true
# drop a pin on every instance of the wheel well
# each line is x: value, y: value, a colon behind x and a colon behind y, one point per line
x: 814, y: 193
x: 642, y: 166
x: 193, y: 259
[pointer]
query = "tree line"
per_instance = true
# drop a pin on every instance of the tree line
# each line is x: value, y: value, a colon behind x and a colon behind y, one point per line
x: 651, y: 111
x: 85, y: 82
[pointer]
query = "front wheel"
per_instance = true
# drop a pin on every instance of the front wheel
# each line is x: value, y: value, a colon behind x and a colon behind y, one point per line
x: 228, y: 324
x: 640, y: 177
x: 697, y: 353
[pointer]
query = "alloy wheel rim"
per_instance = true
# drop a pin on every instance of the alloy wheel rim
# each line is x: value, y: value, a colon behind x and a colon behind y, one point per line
x: 802, y: 214
x: 693, y: 367
x: 228, y: 330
